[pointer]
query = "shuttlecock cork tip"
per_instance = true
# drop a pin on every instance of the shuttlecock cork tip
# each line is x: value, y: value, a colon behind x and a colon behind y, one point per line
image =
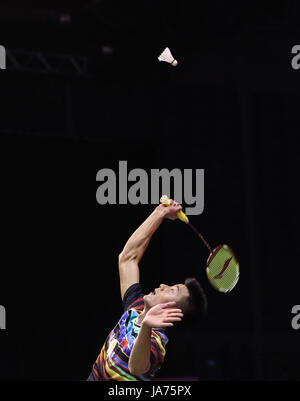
x: 166, y: 56
x: 164, y: 200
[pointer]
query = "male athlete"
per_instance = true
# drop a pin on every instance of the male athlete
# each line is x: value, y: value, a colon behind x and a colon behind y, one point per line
x: 135, y: 348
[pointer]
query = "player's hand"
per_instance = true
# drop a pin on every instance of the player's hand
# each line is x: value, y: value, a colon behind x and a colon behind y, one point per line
x: 170, y: 212
x: 163, y: 315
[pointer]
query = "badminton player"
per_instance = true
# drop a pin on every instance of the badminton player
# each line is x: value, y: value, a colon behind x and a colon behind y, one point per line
x: 135, y: 349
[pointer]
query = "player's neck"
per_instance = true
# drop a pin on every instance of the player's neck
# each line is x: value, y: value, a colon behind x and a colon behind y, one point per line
x: 142, y: 315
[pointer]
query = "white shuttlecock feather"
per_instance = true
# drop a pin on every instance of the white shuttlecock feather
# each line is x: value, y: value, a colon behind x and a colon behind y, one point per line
x: 166, y: 56
x: 164, y: 200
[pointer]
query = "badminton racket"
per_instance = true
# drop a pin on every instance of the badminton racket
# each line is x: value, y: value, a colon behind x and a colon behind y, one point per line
x: 222, y: 267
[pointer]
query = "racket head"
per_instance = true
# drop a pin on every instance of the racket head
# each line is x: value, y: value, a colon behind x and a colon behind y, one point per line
x: 222, y: 268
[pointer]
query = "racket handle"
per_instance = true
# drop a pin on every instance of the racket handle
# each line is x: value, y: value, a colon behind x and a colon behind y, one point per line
x: 164, y: 200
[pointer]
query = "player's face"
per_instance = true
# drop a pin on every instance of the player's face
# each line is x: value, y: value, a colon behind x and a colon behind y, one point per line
x: 166, y: 293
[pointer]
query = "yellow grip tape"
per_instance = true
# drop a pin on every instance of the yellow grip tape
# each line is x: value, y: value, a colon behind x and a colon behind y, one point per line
x: 164, y: 200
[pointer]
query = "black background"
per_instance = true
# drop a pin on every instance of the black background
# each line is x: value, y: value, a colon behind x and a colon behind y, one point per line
x: 230, y: 107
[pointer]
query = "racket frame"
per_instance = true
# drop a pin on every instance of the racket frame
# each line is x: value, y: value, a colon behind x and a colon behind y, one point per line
x: 210, y: 278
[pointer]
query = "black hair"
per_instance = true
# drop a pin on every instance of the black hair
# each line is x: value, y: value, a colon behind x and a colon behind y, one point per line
x: 196, y: 306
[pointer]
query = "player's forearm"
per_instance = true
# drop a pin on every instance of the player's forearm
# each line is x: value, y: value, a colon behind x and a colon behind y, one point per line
x: 139, y: 240
x: 139, y: 360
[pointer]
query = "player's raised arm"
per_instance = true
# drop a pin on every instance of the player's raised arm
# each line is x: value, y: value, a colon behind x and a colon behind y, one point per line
x: 137, y: 244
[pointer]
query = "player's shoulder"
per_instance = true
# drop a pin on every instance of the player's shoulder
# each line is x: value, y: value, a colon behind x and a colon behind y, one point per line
x: 134, y: 298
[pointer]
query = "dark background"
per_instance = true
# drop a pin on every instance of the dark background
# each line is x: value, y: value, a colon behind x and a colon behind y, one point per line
x: 230, y: 107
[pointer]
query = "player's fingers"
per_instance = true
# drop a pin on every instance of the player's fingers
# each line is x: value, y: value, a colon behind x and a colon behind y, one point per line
x: 168, y: 304
x: 174, y: 310
x: 172, y: 319
x: 175, y: 314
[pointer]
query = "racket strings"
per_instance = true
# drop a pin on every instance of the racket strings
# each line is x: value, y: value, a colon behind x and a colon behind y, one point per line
x: 223, y: 269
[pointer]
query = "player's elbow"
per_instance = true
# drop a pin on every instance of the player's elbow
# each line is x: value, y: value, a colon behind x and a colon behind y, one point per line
x: 123, y: 258
x: 137, y: 371
x: 138, y: 366
x: 126, y: 256
x: 133, y: 371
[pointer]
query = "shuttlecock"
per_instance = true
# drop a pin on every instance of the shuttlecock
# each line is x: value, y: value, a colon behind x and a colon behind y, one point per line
x: 166, y: 56
x: 164, y: 200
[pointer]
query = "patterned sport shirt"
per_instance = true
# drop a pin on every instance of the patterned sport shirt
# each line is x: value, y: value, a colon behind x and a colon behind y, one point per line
x: 112, y: 362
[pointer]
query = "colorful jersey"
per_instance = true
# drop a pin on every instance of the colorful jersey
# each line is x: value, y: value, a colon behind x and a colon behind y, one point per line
x: 112, y: 362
